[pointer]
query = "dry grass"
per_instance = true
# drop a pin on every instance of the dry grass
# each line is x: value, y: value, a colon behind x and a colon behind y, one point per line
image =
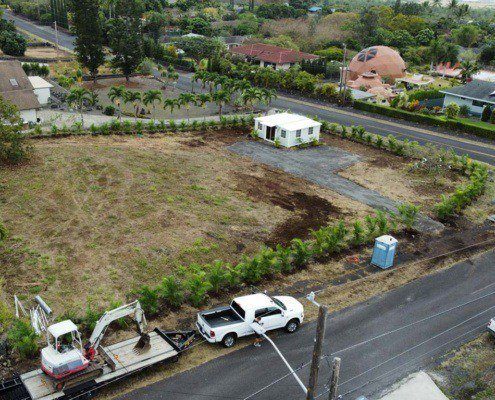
x: 468, y: 372
x: 91, y: 219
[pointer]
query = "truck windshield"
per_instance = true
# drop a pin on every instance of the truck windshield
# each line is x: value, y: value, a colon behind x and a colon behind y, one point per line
x: 279, y: 303
x: 238, y: 309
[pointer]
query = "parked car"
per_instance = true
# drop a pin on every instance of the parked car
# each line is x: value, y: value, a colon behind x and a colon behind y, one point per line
x: 491, y: 326
x: 226, y: 324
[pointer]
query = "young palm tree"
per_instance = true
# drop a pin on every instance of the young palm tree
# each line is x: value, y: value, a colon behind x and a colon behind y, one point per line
x: 221, y: 97
x: 202, y: 100
x: 117, y: 94
x: 152, y: 97
x: 135, y: 98
x: 469, y: 68
x: 267, y: 96
x: 76, y: 99
x: 187, y: 99
x: 171, y: 104
x: 250, y: 96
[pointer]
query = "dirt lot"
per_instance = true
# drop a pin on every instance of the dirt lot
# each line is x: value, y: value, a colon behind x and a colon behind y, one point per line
x: 90, y: 219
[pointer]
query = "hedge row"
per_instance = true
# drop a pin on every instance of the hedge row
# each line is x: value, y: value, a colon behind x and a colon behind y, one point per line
x: 126, y: 127
x: 455, y: 124
x: 448, y: 206
x: 194, y: 283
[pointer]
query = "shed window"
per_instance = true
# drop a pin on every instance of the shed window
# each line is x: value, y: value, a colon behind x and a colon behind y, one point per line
x: 283, y: 134
x: 298, y: 133
x: 259, y: 125
x: 310, y: 131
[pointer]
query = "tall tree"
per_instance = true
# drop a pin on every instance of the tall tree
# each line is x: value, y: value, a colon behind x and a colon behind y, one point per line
x: 89, y: 36
x: 125, y: 37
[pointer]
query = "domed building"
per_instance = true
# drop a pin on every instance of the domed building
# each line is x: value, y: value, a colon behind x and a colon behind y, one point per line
x: 380, y: 60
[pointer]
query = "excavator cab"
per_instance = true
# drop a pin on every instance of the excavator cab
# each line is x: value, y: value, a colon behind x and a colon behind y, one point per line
x: 63, y: 356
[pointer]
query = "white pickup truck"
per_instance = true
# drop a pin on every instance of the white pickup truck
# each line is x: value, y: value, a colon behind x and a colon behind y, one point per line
x: 226, y: 324
x: 491, y: 326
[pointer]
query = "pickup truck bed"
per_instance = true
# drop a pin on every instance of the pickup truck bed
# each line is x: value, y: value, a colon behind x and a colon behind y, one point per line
x: 220, y: 317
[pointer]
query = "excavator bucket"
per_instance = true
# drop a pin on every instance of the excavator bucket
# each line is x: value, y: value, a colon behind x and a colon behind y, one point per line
x: 143, y: 344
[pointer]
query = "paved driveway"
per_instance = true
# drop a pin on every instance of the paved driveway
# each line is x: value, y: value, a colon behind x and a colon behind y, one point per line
x: 318, y: 165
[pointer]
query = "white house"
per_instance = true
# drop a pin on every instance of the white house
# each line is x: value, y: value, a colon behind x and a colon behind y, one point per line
x: 287, y: 129
x: 42, y: 89
x: 475, y: 94
x: 16, y: 88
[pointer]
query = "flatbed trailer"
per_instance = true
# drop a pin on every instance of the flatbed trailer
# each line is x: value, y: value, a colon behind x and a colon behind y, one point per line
x: 119, y: 361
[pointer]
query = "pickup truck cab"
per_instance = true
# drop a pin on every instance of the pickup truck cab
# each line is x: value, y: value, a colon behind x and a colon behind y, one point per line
x: 226, y: 324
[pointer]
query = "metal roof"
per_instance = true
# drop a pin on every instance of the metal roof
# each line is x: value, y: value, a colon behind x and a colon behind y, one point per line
x: 476, y: 90
x: 62, y: 328
x: 39, y: 83
x: 287, y: 121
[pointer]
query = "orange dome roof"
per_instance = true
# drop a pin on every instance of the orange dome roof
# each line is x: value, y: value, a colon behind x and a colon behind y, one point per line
x: 381, y: 60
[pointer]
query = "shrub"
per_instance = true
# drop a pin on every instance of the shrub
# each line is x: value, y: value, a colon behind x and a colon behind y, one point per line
x: 452, y: 110
x: 492, y: 117
x: 357, y: 233
x: 217, y: 275
x: 23, y: 339
x: 464, y: 110
x: 301, y: 253
x: 455, y: 124
x: 283, y: 260
x: 198, y: 288
x: 382, y: 223
x: 408, y: 214
x: 109, y: 110
x: 13, y: 43
x: 149, y: 300
x: 371, y: 226
x: 172, y: 291
x: 13, y: 146
x: 90, y: 318
x: 486, y: 114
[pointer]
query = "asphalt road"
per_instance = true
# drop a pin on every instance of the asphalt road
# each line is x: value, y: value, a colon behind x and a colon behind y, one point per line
x: 475, y: 148
x: 366, y: 368
x: 44, y: 32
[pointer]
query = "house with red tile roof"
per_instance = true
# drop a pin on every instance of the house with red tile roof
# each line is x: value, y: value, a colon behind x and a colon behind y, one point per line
x: 271, y: 56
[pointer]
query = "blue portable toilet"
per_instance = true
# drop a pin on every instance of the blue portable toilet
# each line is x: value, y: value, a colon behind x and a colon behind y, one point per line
x: 384, y: 251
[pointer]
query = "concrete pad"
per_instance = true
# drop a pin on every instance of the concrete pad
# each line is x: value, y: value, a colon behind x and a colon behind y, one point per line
x: 414, y: 387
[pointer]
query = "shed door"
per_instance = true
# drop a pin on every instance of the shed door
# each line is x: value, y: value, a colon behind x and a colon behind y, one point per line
x: 270, y: 132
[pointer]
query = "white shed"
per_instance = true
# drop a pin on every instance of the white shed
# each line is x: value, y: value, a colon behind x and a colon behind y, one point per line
x: 287, y: 129
x: 42, y: 89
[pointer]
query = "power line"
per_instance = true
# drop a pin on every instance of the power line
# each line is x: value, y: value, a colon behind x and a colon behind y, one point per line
x: 385, y: 334
x: 413, y: 323
x: 410, y: 361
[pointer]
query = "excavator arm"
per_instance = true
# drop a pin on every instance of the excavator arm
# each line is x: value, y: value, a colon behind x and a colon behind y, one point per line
x: 133, y: 310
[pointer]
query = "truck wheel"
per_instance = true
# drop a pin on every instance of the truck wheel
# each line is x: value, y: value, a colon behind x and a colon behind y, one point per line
x: 229, y: 340
x: 292, y: 326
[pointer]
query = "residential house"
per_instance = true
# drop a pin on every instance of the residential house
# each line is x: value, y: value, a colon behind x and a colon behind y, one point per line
x: 42, y: 89
x: 271, y: 56
x: 476, y: 95
x: 16, y: 88
x: 287, y: 129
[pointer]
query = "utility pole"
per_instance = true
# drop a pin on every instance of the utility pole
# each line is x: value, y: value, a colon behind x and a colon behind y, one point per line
x: 315, y: 363
x: 332, y: 394
x: 56, y: 39
x: 343, y: 69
